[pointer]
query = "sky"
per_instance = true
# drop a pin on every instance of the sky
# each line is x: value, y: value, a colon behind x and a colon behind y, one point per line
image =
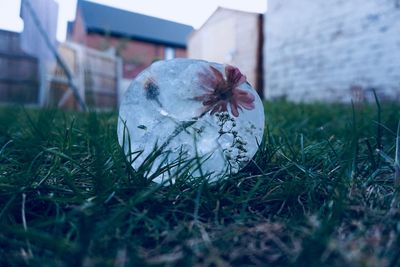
x: 191, y: 12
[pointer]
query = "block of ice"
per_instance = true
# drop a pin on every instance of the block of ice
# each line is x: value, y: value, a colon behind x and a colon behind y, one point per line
x: 203, y: 117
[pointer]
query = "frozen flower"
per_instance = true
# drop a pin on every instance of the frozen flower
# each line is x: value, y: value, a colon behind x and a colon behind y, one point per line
x: 222, y: 91
x: 152, y: 91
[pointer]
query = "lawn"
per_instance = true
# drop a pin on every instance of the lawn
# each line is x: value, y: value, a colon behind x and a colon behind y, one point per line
x: 320, y: 192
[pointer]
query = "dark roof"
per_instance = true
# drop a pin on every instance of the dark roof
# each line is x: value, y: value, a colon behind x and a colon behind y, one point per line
x: 100, y: 18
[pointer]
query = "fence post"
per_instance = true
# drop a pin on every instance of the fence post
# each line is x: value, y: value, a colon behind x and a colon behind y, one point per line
x: 119, y: 73
x: 43, y: 81
x: 80, y: 75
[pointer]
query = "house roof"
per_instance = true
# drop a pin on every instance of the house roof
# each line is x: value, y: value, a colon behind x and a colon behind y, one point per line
x: 105, y: 19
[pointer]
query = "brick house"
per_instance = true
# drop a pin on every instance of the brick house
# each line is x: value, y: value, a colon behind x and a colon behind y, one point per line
x: 332, y: 50
x: 232, y: 37
x: 138, y: 39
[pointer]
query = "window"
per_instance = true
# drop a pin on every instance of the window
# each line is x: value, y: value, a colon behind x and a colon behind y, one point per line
x: 169, y: 53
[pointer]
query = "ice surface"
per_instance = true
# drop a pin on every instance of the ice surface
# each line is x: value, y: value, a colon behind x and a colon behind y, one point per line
x: 193, y: 111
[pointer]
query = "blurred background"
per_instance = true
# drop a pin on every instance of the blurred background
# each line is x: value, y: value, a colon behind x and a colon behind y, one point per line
x: 73, y: 54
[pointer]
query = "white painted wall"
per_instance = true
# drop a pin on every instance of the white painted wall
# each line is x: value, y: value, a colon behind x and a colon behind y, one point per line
x: 229, y: 37
x: 317, y: 50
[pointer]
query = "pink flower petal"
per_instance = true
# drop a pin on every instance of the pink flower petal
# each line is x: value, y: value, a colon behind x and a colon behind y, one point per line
x: 217, y: 74
x: 234, y: 109
x: 207, y: 80
x: 221, y: 106
x: 247, y: 105
x: 234, y: 76
x: 200, y: 97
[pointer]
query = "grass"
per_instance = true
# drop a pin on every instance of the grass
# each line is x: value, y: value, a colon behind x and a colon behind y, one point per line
x: 321, y: 191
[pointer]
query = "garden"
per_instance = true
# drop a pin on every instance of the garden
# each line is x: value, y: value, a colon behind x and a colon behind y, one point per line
x: 322, y: 190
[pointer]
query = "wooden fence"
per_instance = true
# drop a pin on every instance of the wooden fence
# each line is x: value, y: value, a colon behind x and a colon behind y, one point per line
x: 19, y: 72
x: 97, y: 74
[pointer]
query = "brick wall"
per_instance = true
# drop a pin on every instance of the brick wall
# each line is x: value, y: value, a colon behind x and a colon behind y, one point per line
x: 180, y: 53
x: 332, y: 50
x: 137, y: 55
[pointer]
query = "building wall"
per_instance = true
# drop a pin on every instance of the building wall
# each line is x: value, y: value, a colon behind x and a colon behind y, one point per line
x: 78, y: 34
x: 332, y: 50
x: 229, y: 37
